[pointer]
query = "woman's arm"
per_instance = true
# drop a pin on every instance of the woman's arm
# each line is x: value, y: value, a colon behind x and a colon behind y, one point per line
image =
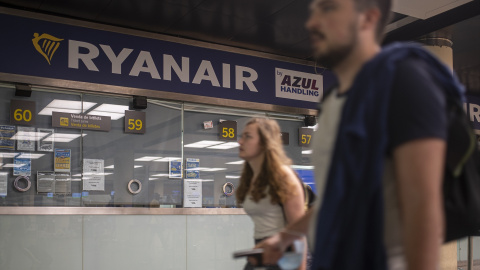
x: 294, y: 206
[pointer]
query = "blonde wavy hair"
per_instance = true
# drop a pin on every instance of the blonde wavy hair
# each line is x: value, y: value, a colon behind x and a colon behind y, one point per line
x: 272, y: 173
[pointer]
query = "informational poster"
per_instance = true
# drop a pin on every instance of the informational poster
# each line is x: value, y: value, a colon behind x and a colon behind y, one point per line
x: 45, y: 182
x: 192, y: 193
x: 62, y: 160
x: 3, y: 184
x: 93, y: 174
x: 46, y: 142
x: 175, y: 168
x: 26, y: 140
x: 63, y: 183
x: 192, y: 165
x: 6, y: 134
x: 22, y: 166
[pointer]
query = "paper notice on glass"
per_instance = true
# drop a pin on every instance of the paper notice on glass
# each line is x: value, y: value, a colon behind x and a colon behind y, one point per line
x: 22, y: 166
x: 6, y: 134
x: 63, y: 183
x: 62, y: 160
x: 175, y: 168
x: 26, y: 138
x: 3, y: 184
x: 93, y: 174
x: 192, y: 171
x: 45, y: 142
x: 192, y: 193
x: 45, y: 182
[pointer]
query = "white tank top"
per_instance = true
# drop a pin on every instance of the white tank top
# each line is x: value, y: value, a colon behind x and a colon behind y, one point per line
x: 267, y: 218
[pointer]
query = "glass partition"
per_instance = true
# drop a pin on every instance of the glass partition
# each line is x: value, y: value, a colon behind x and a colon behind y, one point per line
x: 179, y: 160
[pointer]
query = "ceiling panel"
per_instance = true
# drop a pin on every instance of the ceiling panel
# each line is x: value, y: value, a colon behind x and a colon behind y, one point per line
x: 86, y: 9
x: 150, y: 15
x: 425, y: 9
x: 34, y: 4
x: 198, y: 24
x: 250, y: 10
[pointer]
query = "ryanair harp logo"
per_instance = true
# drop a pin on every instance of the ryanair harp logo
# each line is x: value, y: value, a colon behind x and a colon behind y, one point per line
x: 46, y: 45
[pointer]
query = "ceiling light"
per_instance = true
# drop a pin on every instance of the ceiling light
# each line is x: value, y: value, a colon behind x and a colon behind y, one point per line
x: 114, y: 111
x: 66, y: 106
x: 213, y: 169
x: 8, y: 155
x: 30, y: 155
x: 161, y: 174
x: 111, y: 108
x: 166, y: 159
x: 147, y: 158
x: 232, y: 176
x: 10, y: 165
x: 228, y: 145
x: 137, y: 166
x: 113, y: 115
x: 236, y: 162
x: 307, y: 152
x: 109, y: 167
x: 152, y: 179
x: 199, y: 180
x: 202, y: 144
x: 29, y: 135
x: 94, y: 173
x: 63, y: 137
x: 48, y: 111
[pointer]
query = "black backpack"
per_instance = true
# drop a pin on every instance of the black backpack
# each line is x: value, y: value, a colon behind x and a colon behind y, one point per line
x: 461, y: 185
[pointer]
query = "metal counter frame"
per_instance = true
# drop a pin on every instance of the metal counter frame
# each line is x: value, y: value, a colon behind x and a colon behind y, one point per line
x: 20, y: 210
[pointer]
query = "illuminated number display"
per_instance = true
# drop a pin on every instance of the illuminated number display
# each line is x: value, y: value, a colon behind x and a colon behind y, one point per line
x: 305, y: 136
x: 135, y: 122
x: 22, y: 112
x: 227, y: 131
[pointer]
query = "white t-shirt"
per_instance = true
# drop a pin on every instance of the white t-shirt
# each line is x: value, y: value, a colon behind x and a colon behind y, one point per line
x: 323, y: 144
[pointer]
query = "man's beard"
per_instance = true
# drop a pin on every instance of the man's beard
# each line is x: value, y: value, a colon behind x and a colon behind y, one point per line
x: 331, y: 58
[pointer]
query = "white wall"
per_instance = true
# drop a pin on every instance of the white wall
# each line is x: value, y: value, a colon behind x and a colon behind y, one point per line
x: 117, y: 242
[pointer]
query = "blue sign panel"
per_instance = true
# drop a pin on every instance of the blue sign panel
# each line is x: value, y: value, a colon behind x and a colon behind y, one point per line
x: 59, y: 51
x: 472, y: 107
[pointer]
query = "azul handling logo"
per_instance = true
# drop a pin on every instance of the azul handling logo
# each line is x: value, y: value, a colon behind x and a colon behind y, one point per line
x: 46, y: 45
x: 298, y: 85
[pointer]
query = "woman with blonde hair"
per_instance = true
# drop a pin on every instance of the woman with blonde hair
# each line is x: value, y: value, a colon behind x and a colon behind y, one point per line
x: 269, y: 190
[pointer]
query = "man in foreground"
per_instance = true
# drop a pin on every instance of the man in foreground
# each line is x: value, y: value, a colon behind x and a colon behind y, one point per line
x: 379, y: 148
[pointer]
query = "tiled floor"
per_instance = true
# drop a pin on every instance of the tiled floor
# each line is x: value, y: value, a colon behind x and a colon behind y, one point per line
x: 462, y: 265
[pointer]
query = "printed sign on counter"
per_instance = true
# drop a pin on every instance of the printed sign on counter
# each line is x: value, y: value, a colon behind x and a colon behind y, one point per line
x: 45, y: 143
x: 6, y: 134
x: 192, y: 172
x: 22, y: 166
x: 175, y: 168
x: 192, y: 193
x: 62, y: 160
x: 93, y: 174
x: 63, y: 183
x: 26, y: 138
x: 45, y: 182
x: 3, y: 184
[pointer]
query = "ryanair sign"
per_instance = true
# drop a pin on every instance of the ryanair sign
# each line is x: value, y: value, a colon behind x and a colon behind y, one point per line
x: 68, y: 52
